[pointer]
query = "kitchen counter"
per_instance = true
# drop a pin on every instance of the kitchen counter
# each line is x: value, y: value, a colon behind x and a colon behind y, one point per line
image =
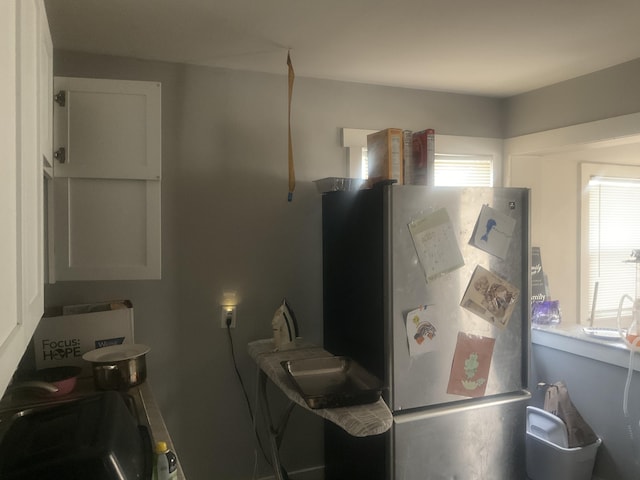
x: 145, y: 405
x: 154, y: 419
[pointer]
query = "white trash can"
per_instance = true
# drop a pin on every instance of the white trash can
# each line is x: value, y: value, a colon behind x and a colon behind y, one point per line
x: 547, y: 454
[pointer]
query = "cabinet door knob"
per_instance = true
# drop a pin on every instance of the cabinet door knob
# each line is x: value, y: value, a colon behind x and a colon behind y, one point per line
x: 60, y: 155
x: 60, y: 98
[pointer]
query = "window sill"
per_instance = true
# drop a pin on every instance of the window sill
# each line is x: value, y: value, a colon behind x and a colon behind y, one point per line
x: 572, y: 339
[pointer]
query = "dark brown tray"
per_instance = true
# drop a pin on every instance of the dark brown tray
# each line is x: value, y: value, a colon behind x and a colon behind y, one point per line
x: 329, y: 382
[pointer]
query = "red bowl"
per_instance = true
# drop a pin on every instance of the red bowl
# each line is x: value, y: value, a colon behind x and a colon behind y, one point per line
x: 64, y: 378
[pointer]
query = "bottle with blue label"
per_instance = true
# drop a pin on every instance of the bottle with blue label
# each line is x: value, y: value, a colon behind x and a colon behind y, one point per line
x: 166, y: 465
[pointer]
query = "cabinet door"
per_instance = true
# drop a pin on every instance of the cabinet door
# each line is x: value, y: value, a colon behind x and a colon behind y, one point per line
x: 45, y: 92
x: 45, y: 103
x: 21, y: 202
x: 107, y: 185
x: 31, y: 201
x: 108, y: 128
x: 8, y: 179
x: 107, y: 229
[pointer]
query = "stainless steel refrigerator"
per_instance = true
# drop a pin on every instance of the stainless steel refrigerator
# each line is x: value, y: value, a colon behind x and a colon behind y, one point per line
x: 429, y: 289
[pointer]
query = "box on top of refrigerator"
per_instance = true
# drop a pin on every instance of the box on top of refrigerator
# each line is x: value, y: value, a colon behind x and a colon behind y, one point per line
x: 61, y: 340
x: 385, y: 155
x: 420, y: 161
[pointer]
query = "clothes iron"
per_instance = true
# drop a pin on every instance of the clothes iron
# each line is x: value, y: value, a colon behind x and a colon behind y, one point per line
x: 285, y: 327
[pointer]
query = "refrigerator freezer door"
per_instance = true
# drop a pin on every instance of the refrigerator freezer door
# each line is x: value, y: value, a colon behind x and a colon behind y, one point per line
x: 482, y: 439
x: 423, y: 379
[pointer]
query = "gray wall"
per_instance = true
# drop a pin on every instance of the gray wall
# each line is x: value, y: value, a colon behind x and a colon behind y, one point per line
x: 226, y: 226
x: 597, y: 391
x: 608, y: 93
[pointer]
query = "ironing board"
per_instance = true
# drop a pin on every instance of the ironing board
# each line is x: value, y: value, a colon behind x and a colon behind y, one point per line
x: 358, y: 420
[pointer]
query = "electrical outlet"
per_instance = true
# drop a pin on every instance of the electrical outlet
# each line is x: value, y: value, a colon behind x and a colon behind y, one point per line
x: 228, y: 312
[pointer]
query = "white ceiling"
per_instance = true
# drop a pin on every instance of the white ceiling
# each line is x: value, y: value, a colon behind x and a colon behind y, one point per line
x: 486, y: 47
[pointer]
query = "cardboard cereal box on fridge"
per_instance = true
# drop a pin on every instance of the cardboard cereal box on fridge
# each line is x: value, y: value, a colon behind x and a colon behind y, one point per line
x: 62, y: 339
x: 420, y: 160
x: 385, y: 155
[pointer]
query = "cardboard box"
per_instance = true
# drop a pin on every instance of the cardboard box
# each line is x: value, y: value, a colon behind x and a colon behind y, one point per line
x: 385, y: 155
x: 420, y: 168
x: 62, y: 340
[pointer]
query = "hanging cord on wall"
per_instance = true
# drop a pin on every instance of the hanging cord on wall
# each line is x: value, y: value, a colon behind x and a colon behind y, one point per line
x: 625, y: 399
x: 292, y: 174
x: 246, y: 396
x: 625, y: 410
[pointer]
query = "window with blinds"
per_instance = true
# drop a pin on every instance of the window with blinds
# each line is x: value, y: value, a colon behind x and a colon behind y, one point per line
x: 455, y: 170
x: 463, y: 170
x: 613, y: 232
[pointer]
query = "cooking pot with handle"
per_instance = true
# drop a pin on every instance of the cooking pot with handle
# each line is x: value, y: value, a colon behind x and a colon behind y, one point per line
x: 118, y: 367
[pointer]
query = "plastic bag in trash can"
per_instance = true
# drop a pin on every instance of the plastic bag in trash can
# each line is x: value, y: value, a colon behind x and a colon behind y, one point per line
x: 557, y: 401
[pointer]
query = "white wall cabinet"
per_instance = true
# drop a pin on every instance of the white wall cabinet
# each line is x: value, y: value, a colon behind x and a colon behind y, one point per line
x: 107, y: 175
x: 25, y: 53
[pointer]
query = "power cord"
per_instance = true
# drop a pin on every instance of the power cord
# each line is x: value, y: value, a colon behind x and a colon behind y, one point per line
x: 244, y: 390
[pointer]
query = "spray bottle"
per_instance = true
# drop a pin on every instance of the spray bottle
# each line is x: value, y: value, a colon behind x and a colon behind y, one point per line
x: 166, y: 464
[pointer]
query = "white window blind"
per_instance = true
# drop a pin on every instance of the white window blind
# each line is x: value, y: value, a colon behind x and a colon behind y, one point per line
x: 463, y: 170
x: 613, y: 232
x: 455, y: 170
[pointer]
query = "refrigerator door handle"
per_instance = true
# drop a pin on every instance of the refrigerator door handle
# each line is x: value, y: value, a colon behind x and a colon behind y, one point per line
x: 426, y: 413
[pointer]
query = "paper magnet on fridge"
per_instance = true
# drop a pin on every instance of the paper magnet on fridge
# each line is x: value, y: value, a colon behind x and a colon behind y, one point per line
x: 490, y: 297
x: 422, y: 331
x: 493, y: 232
x: 471, y: 365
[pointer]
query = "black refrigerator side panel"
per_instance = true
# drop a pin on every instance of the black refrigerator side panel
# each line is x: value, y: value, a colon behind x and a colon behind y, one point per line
x: 352, y: 227
x: 352, y: 277
x: 354, y: 458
